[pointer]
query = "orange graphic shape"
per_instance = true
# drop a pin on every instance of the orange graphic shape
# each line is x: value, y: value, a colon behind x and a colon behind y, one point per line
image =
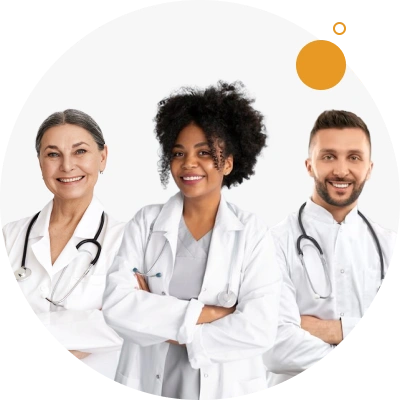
x: 376, y: 49
x: 321, y: 65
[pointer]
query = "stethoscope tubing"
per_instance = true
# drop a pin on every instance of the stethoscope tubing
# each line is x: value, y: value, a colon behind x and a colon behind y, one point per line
x: 230, y: 297
x: 321, y: 253
x: 82, y: 242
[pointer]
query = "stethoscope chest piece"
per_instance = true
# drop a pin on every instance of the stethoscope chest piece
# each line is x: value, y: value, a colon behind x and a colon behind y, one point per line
x: 227, y: 298
x: 22, y: 273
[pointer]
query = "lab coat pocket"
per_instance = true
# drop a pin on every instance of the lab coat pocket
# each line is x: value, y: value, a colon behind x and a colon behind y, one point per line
x: 250, y: 386
x: 89, y: 292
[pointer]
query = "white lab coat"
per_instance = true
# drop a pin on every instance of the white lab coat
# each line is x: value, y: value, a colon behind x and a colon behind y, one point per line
x: 80, y: 324
x: 228, y: 352
x: 354, y: 270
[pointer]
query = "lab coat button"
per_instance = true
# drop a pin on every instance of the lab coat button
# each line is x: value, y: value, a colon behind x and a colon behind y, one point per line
x: 205, y: 375
x: 163, y: 293
x: 342, y: 271
x: 341, y: 314
x: 205, y: 289
x: 158, y: 376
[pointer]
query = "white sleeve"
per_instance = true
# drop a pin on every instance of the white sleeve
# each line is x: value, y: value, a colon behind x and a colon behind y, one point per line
x: 3, y: 251
x: 141, y: 317
x: 295, y: 349
x: 84, y: 330
x: 251, y: 329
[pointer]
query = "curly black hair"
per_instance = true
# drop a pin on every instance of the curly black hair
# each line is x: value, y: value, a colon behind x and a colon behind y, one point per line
x: 225, y: 113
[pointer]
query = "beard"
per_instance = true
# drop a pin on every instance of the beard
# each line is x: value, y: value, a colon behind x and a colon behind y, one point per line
x: 322, y: 190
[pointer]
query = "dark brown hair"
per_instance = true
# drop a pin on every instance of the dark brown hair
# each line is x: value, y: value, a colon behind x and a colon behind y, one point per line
x: 340, y: 120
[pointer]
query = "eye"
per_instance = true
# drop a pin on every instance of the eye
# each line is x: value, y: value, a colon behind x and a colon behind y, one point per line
x: 355, y: 158
x: 328, y: 157
x: 52, y: 155
x: 204, y: 153
x: 81, y: 151
x: 176, y: 154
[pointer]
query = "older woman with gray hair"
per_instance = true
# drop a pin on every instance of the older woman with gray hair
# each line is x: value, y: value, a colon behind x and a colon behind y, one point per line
x: 60, y: 256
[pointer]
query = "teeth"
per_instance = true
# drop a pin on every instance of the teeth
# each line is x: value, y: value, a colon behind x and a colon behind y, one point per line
x: 341, y: 185
x: 191, y: 178
x: 71, y: 179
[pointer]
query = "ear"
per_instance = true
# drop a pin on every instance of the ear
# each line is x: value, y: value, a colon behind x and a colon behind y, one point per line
x: 371, y: 165
x: 228, y: 165
x: 309, y: 167
x: 103, y: 158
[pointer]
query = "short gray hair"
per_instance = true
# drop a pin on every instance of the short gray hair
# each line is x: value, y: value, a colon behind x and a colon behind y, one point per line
x: 73, y: 117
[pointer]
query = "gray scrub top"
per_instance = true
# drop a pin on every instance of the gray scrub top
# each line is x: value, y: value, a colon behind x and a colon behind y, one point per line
x: 181, y: 381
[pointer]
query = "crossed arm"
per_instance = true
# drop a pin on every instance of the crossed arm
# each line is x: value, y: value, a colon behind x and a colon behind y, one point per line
x: 328, y: 330
x: 208, y: 314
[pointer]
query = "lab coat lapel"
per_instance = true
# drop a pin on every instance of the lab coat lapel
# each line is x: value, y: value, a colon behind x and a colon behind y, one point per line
x: 41, y: 247
x: 166, y: 227
x: 221, y: 255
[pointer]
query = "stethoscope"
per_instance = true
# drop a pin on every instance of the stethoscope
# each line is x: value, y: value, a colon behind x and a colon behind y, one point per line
x: 227, y: 298
x: 23, y: 273
x: 322, y: 257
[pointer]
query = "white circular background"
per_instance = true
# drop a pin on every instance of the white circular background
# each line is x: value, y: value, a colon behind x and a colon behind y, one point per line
x: 251, y: 45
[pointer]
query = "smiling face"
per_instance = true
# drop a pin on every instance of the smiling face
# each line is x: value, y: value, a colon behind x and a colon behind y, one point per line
x: 340, y: 164
x: 193, y: 167
x: 70, y: 161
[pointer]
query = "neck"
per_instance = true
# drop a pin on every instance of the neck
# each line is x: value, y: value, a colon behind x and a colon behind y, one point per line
x: 201, y: 208
x: 69, y: 211
x: 338, y: 213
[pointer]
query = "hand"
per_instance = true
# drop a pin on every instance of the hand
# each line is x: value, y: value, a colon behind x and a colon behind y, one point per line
x: 80, y: 355
x: 175, y: 342
x: 329, y: 330
x: 142, y: 283
x: 213, y: 313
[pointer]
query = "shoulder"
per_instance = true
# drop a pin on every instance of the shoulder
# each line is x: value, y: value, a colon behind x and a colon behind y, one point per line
x: 147, y: 214
x: 246, y: 217
x: 249, y: 220
x: 13, y: 230
x: 286, y: 227
x: 383, y: 233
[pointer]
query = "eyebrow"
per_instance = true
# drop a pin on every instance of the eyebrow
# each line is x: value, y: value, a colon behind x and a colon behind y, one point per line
x: 51, y: 146
x: 201, y: 144
x: 356, y: 151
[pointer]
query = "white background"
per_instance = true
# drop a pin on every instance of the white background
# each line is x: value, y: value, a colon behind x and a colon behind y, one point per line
x: 117, y: 72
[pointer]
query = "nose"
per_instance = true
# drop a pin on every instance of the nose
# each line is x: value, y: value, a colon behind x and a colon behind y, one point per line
x: 341, y: 169
x: 189, y: 162
x: 67, y: 164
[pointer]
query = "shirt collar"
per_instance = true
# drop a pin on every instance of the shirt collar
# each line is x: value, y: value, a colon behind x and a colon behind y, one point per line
x: 87, y: 227
x: 323, y: 215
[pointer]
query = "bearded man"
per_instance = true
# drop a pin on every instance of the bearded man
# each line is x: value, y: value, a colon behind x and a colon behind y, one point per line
x: 332, y: 257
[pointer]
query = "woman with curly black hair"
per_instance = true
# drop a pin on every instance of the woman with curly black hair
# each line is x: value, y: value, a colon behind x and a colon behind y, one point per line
x: 194, y: 290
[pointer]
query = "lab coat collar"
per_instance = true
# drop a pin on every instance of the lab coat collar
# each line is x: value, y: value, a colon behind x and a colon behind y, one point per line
x: 86, y: 228
x: 171, y: 214
x: 323, y: 215
x: 90, y: 221
x: 41, y: 226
